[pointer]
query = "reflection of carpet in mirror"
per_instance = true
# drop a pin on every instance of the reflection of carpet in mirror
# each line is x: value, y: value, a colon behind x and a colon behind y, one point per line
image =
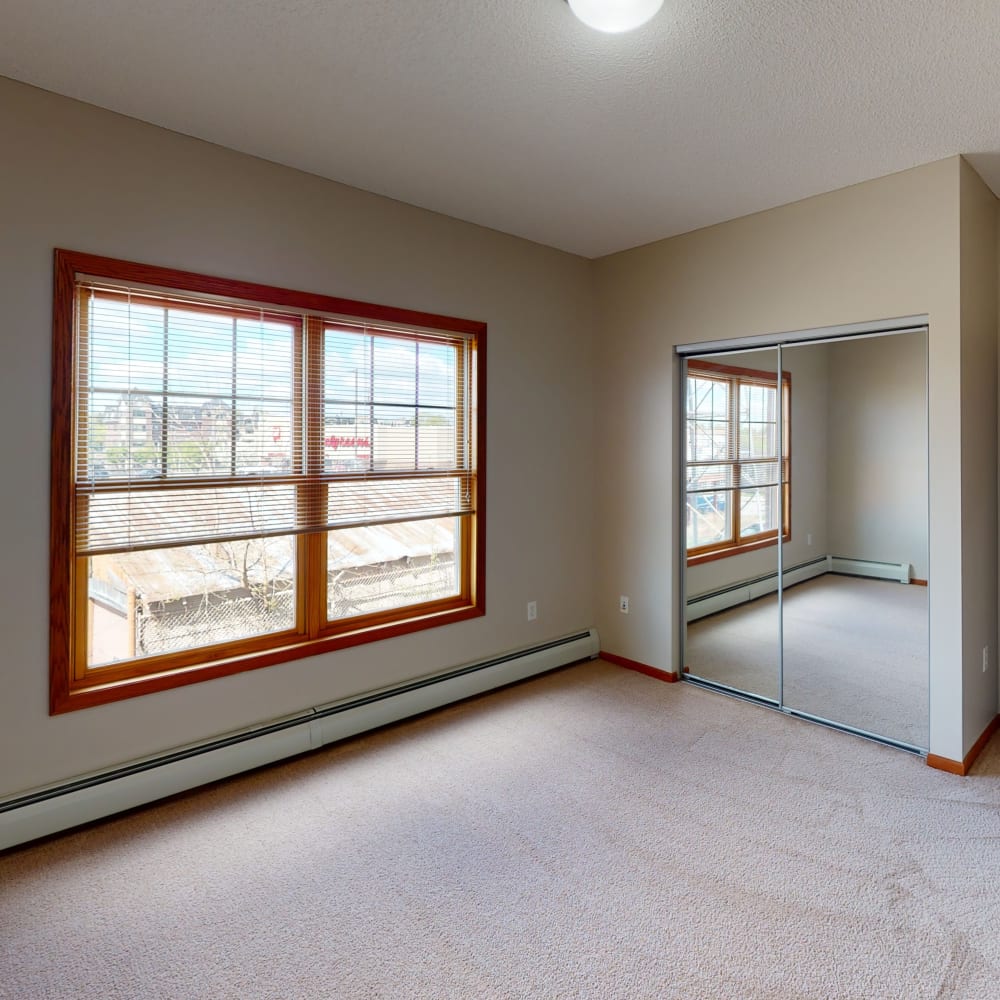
x: 855, y: 652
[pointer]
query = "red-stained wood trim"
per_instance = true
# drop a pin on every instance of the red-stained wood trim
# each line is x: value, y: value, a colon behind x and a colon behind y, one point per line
x: 61, y: 563
x: 945, y: 764
x: 643, y: 668
x: 918, y: 583
x: 313, y: 498
x: 980, y: 745
x: 962, y: 767
x: 479, y: 410
x: 190, y: 281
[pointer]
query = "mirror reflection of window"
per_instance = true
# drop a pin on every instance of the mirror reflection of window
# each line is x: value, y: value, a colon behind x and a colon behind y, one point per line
x: 733, y: 460
x: 831, y: 626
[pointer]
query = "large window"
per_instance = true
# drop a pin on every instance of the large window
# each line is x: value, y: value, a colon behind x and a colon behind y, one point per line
x: 733, y: 460
x: 245, y: 474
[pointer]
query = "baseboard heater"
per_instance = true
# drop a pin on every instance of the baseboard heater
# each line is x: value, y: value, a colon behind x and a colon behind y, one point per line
x: 900, y: 572
x: 58, y: 807
x: 749, y: 590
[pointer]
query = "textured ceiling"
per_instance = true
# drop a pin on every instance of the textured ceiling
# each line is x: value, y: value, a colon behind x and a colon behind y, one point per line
x: 512, y: 114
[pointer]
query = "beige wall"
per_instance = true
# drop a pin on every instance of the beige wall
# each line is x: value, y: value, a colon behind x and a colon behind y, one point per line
x: 877, y: 431
x: 576, y: 404
x: 76, y: 177
x: 979, y: 450
x: 886, y: 248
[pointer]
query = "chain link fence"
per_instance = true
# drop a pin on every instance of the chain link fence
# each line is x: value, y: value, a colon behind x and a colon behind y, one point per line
x: 220, y: 617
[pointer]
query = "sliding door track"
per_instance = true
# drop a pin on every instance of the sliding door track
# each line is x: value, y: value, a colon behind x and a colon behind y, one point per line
x: 818, y: 720
x: 756, y: 699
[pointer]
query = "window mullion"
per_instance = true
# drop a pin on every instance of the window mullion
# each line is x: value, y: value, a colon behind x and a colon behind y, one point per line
x: 370, y: 341
x: 734, y: 454
x: 165, y: 401
x: 313, y: 493
x: 416, y: 408
x: 79, y: 500
x: 462, y: 376
x: 232, y: 403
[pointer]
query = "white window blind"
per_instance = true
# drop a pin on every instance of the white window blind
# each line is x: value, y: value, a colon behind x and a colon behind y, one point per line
x: 201, y: 421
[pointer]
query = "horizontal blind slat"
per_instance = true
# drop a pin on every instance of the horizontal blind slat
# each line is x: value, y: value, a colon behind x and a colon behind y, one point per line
x: 136, y: 519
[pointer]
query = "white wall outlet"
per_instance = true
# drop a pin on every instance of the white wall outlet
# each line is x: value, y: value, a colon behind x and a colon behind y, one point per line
x: 809, y: 538
x: 623, y: 604
x: 986, y: 658
x: 532, y: 610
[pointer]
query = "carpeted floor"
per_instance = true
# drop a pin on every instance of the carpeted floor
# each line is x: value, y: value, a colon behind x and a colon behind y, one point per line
x: 855, y: 653
x: 592, y: 833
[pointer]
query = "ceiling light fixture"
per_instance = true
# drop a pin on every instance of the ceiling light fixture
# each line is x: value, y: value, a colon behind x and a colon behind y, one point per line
x: 615, y: 16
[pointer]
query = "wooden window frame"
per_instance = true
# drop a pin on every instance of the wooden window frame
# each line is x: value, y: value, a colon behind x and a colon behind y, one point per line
x: 74, y: 685
x: 735, y: 376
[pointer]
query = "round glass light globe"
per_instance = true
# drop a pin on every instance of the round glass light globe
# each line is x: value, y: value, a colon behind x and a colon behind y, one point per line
x: 615, y: 15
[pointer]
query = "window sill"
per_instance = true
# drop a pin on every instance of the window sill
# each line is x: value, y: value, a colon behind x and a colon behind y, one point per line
x: 735, y: 550
x: 94, y: 690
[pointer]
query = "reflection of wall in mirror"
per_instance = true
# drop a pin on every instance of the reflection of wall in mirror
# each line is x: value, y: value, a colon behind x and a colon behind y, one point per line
x: 878, y: 450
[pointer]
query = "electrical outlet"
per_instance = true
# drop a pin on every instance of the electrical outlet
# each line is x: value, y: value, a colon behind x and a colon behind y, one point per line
x: 623, y: 604
x: 532, y: 610
x: 809, y: 538
x: 986, y: 658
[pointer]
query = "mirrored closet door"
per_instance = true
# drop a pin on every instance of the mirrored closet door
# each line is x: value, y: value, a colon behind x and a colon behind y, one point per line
x: 734, y: 515
x: 805, y: 507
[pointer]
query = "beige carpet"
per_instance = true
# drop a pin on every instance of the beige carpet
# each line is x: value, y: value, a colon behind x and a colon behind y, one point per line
x: 593, y: 833
x: 855, y: 653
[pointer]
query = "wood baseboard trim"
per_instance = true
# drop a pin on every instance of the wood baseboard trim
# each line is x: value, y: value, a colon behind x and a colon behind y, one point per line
x: 945, y: 764
x: 962, y: 767
x: 918, y: 583
x: 643, y: 668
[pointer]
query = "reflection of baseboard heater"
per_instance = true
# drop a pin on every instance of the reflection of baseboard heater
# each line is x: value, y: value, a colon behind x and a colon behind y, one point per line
x: 900, y: 572
x: 750, y: 590
x: 49, y: 810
